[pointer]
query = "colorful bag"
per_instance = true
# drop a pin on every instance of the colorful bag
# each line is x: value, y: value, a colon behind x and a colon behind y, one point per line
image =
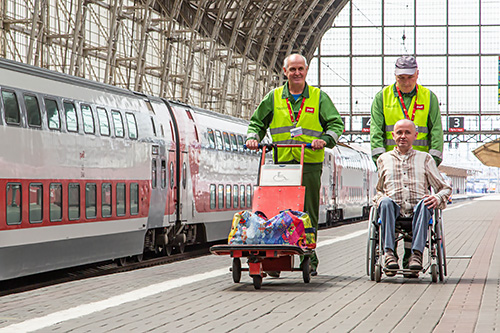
x: 288, y: 227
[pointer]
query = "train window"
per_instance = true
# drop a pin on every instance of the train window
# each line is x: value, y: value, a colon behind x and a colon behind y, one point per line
x: 106, y: 207
x: 32, y: 111
x: 236, y: 196
x: 11, y: 108
x: 36, y: 203
x: 221, y: 197
x: 88, y: 119
x: 171, y: 175
x: 249, y: 195
x: 74, y: 201
x: 102, y: 115
x: 228, y: 196
x: 153, y: 125
x: 120, y: 199
x: 55, y: 198
x: 163, y: 173
x: 91, y: 201
x: 211, y: 138
x: 153, y: 173
x: 71, y: 119
x: 132, y: 125
x: 227, y: 143
x: 118, y: 122
x: 14, y: 203
x: 212, y: 196
x: 234, y: 142
x: 134, y: 199
x: 241, y: 143
x: 52, y: 114
x: 242, y: 196
x: 218, y: 140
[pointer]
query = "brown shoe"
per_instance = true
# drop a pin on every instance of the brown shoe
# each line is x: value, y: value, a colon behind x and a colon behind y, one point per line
x: 391, y: 262
x: 416, y: 261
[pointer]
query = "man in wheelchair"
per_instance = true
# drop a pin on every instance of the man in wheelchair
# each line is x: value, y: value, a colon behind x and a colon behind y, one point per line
x: 405, y: 177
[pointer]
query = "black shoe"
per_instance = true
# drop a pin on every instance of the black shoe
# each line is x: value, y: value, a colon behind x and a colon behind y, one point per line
x: 416, y: 261
x: 314, y: 272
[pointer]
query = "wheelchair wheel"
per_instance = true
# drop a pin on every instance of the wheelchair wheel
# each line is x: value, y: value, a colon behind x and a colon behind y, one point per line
x: 434, y: 273
x: 372, y: 244
x: 378, y: 273
x: 441, y: 256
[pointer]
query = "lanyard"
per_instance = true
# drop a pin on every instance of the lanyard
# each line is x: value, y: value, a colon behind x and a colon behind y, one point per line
x: 404, y: 106
x: 291, y: 111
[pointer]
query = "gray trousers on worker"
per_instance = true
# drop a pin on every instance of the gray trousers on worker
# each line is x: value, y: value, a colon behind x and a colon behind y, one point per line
x: 388, y: 211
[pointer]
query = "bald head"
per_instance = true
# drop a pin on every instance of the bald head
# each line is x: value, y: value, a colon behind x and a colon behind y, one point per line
x: 404, y: 134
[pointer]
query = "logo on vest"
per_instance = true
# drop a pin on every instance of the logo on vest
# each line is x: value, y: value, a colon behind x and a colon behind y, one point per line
x: 419, y: 106
x: 310, y: 110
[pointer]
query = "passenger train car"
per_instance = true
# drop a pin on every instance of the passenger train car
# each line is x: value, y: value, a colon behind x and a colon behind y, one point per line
x: 90, y: 172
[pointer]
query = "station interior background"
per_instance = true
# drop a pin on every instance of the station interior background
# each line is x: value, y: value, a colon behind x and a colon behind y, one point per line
x: 194, y: 51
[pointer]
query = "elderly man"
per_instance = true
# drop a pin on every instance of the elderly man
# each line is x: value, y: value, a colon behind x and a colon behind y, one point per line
x: 405, y: 175
x: 299, y: 113
x: 406, y: 100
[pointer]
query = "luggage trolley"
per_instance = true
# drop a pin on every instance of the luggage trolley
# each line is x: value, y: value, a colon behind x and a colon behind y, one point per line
x: 436, y: 250
x: 279, y: 188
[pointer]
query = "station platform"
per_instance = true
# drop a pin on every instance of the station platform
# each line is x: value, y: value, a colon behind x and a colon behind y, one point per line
x: 198, y: 295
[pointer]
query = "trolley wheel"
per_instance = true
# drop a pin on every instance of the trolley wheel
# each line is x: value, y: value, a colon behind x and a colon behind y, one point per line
x: 236, y: 270
x: 306, y: 269
x: 121, y: 261
x: 434, y: 273
x: 138, y: 257
x: 378, y: 273
x: 257, y: 281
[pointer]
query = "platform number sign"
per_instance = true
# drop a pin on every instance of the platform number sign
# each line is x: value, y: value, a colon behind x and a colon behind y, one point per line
x: 455, y: 124
x: 365, y: 124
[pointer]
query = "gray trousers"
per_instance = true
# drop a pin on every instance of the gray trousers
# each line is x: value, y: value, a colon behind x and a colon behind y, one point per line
x: 388, y: 211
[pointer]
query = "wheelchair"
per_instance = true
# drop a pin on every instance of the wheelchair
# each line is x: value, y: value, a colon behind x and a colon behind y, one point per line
x: 435, y: 245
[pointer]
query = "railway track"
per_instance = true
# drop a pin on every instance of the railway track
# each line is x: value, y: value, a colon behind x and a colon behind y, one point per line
x: 41, y: 280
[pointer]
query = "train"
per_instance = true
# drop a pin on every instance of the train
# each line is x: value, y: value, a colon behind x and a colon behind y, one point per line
x: 90, y: 172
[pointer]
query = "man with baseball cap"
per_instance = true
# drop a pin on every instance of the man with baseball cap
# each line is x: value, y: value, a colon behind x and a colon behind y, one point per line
x: 406, y: 100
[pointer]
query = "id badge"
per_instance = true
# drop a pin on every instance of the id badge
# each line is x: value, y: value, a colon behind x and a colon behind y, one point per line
x: 297, y: 131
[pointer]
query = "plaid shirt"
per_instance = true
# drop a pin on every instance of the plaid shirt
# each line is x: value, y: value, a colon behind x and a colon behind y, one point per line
x: 406, y: 178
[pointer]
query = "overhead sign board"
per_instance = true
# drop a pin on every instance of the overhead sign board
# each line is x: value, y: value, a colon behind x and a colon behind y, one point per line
x: 365, y: 124
x: 455, y: 124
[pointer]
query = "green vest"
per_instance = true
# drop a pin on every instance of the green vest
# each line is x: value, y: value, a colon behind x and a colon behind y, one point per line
x: 393, y: 112
x: 309, y: 121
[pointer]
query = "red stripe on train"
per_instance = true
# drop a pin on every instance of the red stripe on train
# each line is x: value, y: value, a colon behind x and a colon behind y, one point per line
x: 28, y: 197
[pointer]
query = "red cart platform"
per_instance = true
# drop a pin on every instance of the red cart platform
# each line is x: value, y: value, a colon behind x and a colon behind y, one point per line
x: 279, y: 189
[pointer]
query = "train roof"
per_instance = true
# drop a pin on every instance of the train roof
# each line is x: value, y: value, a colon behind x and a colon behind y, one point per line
x: 65, y: 78
x: 212, y: 114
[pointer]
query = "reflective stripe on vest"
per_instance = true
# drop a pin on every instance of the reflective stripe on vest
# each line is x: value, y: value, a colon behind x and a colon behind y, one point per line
x: 309, y: 121
x: 393, y: 113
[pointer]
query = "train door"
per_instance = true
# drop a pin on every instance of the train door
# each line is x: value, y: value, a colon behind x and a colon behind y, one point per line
x: 170, y: 208
x: 185, y: 205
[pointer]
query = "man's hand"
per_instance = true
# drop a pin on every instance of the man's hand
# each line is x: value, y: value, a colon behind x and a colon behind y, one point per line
x: 318, y: 144
x: 252, y: 144
x: 430, y: 201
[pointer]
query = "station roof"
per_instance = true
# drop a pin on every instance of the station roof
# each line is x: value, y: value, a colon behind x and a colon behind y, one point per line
x: 266, y: 30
